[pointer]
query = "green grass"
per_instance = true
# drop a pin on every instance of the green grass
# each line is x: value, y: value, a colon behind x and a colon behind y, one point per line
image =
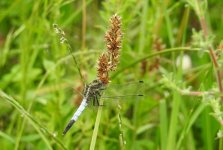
x: 180, y: 109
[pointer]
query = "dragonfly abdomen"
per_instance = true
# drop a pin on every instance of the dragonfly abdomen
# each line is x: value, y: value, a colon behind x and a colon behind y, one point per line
x: 76, y: 115
x: 80, y: 109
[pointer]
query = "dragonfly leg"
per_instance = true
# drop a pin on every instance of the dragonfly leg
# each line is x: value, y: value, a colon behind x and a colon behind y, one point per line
x: 95, y: 100
x: 98, y: 94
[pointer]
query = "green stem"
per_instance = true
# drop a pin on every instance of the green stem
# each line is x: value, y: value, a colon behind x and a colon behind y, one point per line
x: 96, y: 127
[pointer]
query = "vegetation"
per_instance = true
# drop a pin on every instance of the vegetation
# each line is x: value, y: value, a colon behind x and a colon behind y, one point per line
x: 173, y: 46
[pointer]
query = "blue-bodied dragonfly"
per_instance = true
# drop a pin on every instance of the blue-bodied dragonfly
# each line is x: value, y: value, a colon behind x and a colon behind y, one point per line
x: 94, y: 91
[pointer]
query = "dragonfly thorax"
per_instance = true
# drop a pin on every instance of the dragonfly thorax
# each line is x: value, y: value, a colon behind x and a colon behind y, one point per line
x: 93, y: 90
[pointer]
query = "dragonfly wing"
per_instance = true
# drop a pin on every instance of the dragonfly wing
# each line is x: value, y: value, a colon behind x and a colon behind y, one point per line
x: 123, y: 91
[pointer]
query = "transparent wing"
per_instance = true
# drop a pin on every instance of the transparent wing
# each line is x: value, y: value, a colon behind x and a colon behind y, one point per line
x: 125, y: 91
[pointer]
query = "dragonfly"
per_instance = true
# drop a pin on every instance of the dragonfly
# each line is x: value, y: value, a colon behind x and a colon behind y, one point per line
x: 93, y: 92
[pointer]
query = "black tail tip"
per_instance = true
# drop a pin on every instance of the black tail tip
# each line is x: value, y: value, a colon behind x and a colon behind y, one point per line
x: 141, y: 81
x: 140, y: 95
x: 70, y: 124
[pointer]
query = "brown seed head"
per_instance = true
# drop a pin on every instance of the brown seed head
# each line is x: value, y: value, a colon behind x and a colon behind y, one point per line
x: 108, y: 61
x: 103, y: 68
x: 113, y: 41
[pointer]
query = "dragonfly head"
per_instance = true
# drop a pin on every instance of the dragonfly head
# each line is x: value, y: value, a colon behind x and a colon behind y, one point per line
x: 97, y: 84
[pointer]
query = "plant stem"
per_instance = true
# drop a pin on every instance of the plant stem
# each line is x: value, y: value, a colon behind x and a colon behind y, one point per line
x: 83, y: 42
x: 212, y: 55
x: 196, y: 93
x: 96, y: 127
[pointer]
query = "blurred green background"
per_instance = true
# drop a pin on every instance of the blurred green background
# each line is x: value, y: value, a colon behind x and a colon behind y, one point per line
x: 163, y: 45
